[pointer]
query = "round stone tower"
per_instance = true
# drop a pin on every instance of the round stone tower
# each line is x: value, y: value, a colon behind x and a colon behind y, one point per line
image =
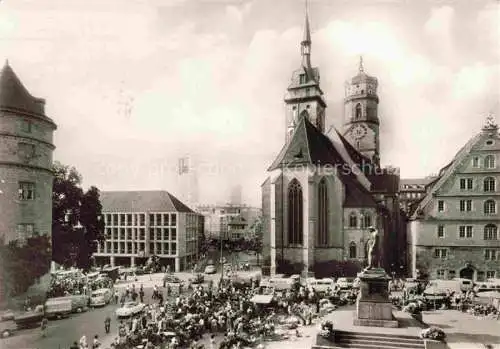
x: 26, y: 148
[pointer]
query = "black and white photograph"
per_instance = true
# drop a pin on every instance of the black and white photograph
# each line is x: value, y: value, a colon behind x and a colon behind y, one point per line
x: 267, y: 174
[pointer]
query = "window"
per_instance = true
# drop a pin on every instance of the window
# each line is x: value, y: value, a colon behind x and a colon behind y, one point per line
x: 26, y: 151
x: 489, y: 161
x: 490, y: 207
x: 352, y: 250
x: 173, y: 248
x: 440, y: 253
x: 302, y: 78
x: 490, y: 232
x: 367, y: 221
x: 129, y: 219
x: 353, y: 220
x: 440, y: 274
x: 322, y: 213
x: 358, y: 111
x: 173, y: 234
x: 295, y: 216
x: 166, y: 219
x: 158, y: 219
x: 440, y: 205
x: 173, y: 219
x: 151, y: 219
x: 115, y: 219
x: 25, y: 231
x: 480, y: 275
x: 489, y: 184
x: 26, y: 191
x: 465, y: 231
x: 451, y: 274
x: 26, y: 126
x: 142, y: 219
x: 465, y: 205
x: 490, y: 142
x: 440, y: 231
x: 466, y: 183
x: 151, y: 233
x: 122, y: 219
x: 475, y: 161
x: 490, y: 274
x: 490, y: 254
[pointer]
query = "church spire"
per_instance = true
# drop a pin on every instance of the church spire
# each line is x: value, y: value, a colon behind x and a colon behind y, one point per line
x: 306, y: 43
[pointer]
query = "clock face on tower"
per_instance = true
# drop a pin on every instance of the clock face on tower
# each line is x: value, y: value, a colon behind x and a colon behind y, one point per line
x: 359, y: 131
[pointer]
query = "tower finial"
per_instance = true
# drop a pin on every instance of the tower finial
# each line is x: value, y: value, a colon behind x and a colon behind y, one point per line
x: 361, y: 67
x: 490, y: 123
x: 305, y: 45
x: 307, y: 30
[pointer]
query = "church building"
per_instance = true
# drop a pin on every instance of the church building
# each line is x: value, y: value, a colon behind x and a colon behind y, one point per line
x: 326, y: 187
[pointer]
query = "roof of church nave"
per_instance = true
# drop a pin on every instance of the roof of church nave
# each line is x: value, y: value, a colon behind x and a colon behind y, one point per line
x: 13, y: 94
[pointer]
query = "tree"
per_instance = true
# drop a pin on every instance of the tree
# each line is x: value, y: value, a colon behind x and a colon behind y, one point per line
x: 77, y: 223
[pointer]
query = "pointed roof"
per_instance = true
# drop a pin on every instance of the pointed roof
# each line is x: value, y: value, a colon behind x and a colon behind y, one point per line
x: 141, y: 201
x: 307, y: 29
x: 446, y: 172
x: 13, y: 94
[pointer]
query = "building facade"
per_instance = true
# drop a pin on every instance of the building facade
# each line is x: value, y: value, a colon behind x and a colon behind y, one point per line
x: 326, y: 188
x: 26, y: 152
x: 219, y: 217
x: 454, y: 230
x: 140, y: 224
x: 412, y: 191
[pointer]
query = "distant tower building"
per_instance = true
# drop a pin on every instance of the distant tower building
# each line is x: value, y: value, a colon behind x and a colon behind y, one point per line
x: 188, y: 179
x: 361, y: 123
x: 26, y: 147
x: 236, y: 195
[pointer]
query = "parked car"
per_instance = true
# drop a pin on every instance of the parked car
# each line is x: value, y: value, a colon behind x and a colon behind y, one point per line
x: 210, y: 269
x: 198, y: 279
x: 130, y: 309
x: 172, y: 279
x: 345, y: 283
x: 101, y: 297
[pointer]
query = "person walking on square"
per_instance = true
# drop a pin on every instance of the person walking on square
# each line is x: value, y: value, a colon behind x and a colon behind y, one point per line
x: 43, y: 326
x: 107, y: 324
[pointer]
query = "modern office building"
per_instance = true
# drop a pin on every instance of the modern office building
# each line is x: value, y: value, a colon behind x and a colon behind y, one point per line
x: 454, y: 229
x: 26, y: 150
x: 140, y: 224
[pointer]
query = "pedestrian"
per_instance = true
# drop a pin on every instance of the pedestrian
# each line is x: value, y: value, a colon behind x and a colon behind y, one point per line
x: 107, y: 324
x: 212, y: 341
x: 43, y: 326
x: 141, y: 294
x: 96, y: 344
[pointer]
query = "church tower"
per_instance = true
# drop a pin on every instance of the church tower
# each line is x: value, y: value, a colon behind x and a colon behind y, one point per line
x: 361, y: 123
x: 304, y: 97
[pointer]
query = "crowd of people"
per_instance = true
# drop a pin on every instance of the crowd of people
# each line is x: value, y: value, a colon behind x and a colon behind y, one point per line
x: 227, y: 310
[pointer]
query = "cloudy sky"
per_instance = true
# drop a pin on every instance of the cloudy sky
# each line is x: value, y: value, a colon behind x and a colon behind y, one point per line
x: 207, y: 78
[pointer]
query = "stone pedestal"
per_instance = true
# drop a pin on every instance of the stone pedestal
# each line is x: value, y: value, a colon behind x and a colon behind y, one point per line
x: 373, y: 307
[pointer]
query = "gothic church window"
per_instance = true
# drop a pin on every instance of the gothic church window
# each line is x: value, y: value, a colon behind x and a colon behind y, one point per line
x: 490, y: 207
x: 353, y: 220
x: 323, y: 213
x: 489, y: 161
x: 357, y: 111
x: 352, y: 250
x: 295, y: 210
x: 489, y: 184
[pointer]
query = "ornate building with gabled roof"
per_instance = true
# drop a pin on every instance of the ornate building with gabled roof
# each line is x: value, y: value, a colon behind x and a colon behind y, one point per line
x: 454, y: 229
x: 326, y: 188
x: 26, y: 148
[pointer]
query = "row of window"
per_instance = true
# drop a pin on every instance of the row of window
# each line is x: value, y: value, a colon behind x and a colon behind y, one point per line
x: 363, y: 221
x: 489, y: 184
x: 25, y: 230
x: 140, y: 234
x: 451, y: 274
x: 489, y: 254
x: 489, y: 206
x: 130, y: 219
x: 414, y: 195
x: 490, y: 232
x: 489, y: 161
x: 158, y: 248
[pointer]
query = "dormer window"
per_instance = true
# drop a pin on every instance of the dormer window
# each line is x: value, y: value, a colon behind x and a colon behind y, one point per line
x: 302, y: 78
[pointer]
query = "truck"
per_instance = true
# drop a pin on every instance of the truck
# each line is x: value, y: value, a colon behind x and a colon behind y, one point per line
x: 53, y: 309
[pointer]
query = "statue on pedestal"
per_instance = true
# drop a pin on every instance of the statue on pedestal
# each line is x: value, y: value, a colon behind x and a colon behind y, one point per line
x: 373, y: 249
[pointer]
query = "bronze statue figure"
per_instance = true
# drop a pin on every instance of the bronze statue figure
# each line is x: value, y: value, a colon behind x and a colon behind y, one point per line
x: 373, y: 249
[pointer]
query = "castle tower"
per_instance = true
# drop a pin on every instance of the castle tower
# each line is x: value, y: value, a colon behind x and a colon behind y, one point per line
x: 304, y: 97
x: 361, y: 122
x: 26, y: 150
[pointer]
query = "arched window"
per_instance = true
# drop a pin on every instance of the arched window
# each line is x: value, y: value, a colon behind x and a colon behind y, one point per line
x: 489, y: 161
x: 352, y: 250
x: 322, y: 213
x: 353, y: 220
x: 295, y: 218
x: 490, y: 207
x: 489, y: 184
x: 357, y: 112
x: 490, y: 232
